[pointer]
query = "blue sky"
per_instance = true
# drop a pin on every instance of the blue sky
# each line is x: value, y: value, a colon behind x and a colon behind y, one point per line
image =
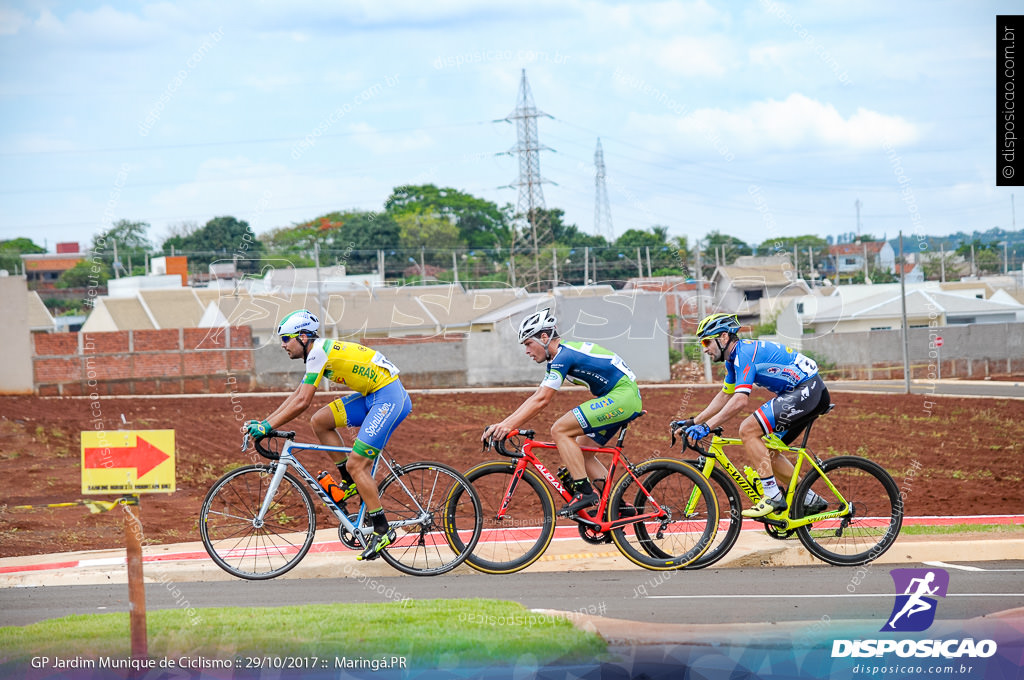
x: 758, y: 119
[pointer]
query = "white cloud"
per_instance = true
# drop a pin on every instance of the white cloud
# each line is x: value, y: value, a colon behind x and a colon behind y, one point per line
x: 368, y: 137
x: 40, y: 143
x: 11, y: 21
x: 102, y: 27
x: 797, y: 122
x: 710, y: 56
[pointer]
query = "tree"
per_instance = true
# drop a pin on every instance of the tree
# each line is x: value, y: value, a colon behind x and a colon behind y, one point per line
x: 728, y: 248
x: 783, y: 245
x: 11, y: 251
x: 419, y: 228
x: 85, y: 274
x: 222, y: 238
x: 988, y: 257
x: 479, y: 223
x: 128, y: 238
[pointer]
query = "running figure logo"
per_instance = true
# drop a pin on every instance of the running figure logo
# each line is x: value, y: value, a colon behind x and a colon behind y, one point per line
x: 914, y: 610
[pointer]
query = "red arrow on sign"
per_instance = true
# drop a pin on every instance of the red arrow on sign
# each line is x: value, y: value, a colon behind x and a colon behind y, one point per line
x: 143, y: 457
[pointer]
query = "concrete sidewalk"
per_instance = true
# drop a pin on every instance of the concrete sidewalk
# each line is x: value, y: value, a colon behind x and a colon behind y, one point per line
x: 187, y: 562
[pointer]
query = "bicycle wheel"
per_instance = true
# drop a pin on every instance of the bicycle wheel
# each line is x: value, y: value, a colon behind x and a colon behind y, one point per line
x: 436, y: 515
x: 874, y: 519
x: 730, y: 521
x: 244, y: 547
x: 518, y: 539
x: 671, y: 540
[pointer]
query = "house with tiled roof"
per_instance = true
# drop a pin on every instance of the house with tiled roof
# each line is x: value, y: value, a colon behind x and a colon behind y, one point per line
x: 849, y: 258
x: 43, y: 269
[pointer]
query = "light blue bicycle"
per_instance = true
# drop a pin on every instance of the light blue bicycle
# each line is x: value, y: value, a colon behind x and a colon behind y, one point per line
x: 258, y: 521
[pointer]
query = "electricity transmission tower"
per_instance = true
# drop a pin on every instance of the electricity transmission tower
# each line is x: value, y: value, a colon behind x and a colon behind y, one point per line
x: 602, y: 210
x: 530, y: 206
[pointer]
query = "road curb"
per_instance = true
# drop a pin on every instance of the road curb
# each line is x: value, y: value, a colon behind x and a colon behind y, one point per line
x: 327, y: 559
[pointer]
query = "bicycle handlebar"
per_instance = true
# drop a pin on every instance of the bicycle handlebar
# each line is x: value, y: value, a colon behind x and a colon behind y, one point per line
x: 686, y: 444
x: 499, y: 444
x: 262, y: 450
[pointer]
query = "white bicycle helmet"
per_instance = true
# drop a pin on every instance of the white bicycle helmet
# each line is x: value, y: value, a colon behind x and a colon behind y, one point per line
x: 536, y: 323
x: 300, y: 321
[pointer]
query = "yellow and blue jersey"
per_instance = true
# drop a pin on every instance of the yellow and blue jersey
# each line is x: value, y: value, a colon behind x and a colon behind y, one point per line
x: 362, y: 369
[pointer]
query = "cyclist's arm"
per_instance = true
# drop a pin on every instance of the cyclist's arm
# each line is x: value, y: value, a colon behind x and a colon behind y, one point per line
x: 533, y: 405
x: 732, y: 405
x: 297, y: 402
x: 714, y: 407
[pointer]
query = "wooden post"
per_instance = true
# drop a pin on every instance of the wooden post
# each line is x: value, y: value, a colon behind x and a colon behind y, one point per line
x: 136, y: 585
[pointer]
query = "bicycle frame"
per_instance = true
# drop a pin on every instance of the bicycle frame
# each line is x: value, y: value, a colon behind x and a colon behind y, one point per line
x: 594, y: 520
x: 287, y: 460
x: 716, y: 453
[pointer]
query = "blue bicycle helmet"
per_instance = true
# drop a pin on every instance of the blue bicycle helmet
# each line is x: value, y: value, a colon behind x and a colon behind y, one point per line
x: 714, y: 324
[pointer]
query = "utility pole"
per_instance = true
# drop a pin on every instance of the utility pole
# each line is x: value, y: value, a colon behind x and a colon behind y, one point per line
x: 586, y: 265
x: 856, y: 205
x: 903, y: 325
x: 602, y: 208
x: 701, y: 313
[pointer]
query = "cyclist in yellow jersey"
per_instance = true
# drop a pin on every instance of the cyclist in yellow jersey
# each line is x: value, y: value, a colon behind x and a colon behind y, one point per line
x: 378, y: 405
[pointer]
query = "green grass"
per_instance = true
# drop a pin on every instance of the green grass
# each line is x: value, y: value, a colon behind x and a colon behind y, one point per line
x: 427, y: 633
x: 960, y: 529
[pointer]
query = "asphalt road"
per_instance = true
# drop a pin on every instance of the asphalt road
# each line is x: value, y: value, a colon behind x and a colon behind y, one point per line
x: 736, y: 595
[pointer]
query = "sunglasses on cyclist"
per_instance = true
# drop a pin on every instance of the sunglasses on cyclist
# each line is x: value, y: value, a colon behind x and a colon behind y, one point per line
x: 706, y: 342
x: 286, y: 338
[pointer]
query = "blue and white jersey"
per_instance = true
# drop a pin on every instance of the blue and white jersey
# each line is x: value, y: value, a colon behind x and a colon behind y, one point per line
x: 768, y: 364
x: 584, y: 363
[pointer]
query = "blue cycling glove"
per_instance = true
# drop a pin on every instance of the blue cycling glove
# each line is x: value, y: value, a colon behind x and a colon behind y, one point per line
x: 698, y: 432
x: 258, y: 429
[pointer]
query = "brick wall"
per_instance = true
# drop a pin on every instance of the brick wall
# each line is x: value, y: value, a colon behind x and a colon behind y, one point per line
x: 173, y: 361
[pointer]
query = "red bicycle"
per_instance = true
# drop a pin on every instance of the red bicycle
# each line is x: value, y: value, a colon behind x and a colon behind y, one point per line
x: 642, y: 512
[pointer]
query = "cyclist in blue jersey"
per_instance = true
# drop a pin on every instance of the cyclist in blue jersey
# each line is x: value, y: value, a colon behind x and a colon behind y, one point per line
x: 800, y: 395
x: 617, y: 401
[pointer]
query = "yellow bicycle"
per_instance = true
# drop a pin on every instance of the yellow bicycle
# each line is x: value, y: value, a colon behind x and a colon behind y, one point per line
x: 859, y: 519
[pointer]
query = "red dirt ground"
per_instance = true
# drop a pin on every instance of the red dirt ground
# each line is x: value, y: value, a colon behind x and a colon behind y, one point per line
x: 969, y: 451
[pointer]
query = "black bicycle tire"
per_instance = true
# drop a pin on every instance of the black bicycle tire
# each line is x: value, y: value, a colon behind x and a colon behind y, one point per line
x: 896, y: 514
x: 397, y: 555
x: 252, y: 506
x: 721, y: 548
x: 540, y: 489
x: 662, y: 469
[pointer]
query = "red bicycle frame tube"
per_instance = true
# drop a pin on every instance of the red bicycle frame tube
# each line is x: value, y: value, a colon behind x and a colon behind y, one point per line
x: 530, y: 458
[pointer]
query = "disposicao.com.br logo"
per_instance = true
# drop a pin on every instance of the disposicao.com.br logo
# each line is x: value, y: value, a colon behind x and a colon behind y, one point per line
x: 914, y: 611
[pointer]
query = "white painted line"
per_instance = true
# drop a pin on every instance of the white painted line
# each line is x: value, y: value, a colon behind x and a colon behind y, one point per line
x: 804, y: 595
x: 103, y: 562
x: 965, y: 567
x: 946, y: 565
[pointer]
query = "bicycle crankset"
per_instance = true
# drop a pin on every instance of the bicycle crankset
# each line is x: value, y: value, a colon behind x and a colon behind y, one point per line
x: 592, y: 535
x: 777, y: 533
x: 346, y: 537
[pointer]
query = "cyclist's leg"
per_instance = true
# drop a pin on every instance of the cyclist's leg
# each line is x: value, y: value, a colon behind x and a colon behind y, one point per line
x: 565, y: 432
x: 596, y: 421
x: 380, y: 412
x: 328, y: 420
x: 596, y: 470
x: 790, y: 412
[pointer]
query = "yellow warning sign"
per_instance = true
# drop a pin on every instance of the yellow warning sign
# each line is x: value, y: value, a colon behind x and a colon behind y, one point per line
x: 127, y: 461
